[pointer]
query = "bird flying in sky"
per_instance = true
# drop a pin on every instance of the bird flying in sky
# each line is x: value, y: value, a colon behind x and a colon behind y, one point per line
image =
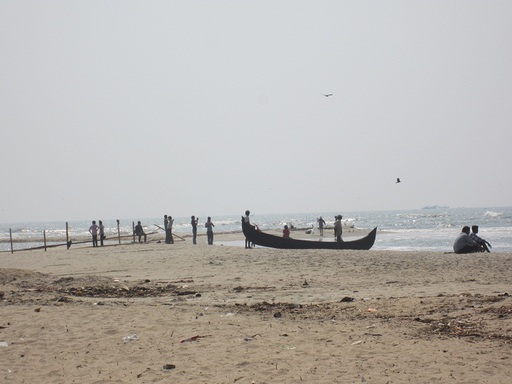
x: 398, y: 180
x: 327, y: 94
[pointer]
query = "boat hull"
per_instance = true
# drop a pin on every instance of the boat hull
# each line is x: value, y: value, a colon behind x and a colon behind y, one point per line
x: 263, y: 239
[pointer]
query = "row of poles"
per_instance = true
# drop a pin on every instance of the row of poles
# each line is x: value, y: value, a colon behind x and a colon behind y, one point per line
x: 68, y: 241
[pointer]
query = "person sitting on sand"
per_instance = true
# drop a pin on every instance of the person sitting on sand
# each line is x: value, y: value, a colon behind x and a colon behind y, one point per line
x: 465, y: 244
x: 286, y: 232
x: 139, y: 231
x: 477, y: 239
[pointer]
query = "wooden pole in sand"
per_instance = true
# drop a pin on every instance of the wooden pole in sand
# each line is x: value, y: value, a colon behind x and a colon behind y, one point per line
x: 10, y: 235
x: 118, y: 233
x: 44, y: 239
x: 133, y: 230
x: 68, y: 244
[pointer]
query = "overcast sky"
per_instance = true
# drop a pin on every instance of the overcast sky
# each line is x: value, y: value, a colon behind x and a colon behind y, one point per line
x: 114, y: 109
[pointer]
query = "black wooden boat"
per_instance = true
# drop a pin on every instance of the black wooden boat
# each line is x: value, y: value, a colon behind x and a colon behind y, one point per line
x: 257, y: 237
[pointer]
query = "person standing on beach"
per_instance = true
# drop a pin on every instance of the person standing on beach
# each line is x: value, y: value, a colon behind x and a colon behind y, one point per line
x: 209, y: 230
x: 139, y: 231
x: 93, y: 229
x: 338, y: 230
x: 321, y: 223
x: 102, y: 232
x: 193, y: 223
x: 464, y: 243
x: 477, y: 239
x: 166, y: 224
x: 247, y: 221
x: 168, y: 230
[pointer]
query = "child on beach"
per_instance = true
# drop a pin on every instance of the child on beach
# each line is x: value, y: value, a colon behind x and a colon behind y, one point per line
x: 286, y: 232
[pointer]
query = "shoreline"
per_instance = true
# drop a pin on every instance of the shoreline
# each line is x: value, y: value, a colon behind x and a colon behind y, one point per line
x: 160, y: 236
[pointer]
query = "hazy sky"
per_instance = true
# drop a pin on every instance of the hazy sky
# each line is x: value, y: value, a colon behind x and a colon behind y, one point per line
x: 114, y: 109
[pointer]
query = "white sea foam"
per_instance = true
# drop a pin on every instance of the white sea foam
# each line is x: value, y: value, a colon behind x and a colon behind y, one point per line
x: 493, y: 214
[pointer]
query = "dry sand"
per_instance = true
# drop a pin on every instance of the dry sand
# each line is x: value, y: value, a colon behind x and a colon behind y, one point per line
x: 254, y: 316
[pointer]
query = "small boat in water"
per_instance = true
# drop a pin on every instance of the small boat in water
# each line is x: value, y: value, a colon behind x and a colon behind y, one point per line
x: 257, y: 237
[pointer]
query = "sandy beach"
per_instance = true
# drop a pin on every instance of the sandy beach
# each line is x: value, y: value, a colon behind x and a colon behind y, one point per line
x: 184, y: 313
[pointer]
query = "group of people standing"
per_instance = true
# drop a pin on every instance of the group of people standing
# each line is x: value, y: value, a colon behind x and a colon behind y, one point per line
x: 95, y: 230
x: 194, y: 221
x: 98, y: 231
x: 168, y: 222
x: 338, y: 228
x: 468, y: 242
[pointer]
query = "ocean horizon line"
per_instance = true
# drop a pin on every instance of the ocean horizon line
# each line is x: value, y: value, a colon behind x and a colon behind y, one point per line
x: 424, y: 208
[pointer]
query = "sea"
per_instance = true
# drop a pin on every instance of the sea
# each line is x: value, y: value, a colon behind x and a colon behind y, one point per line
x: 428, y: 229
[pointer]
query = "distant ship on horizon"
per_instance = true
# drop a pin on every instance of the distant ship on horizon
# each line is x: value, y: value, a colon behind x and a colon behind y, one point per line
x: 435, y: 207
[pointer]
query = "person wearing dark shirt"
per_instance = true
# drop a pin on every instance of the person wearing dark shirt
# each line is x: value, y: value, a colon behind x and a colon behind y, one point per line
x: 166, y: 224
x: 321, y: 224
x: 477, y: 239
x: 338, y: 229
x: 248, y: 222
x: 209, y: 230
x: 193, y: 223
x: 139, y: 231
x: 101, y: 228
